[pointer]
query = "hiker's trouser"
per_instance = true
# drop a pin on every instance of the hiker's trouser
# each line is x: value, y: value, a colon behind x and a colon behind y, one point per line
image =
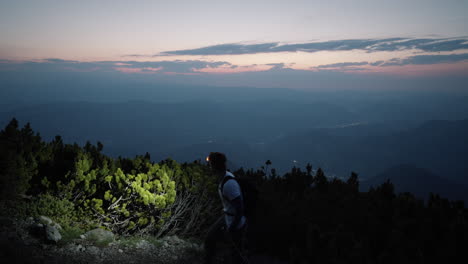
x: 218, y: 233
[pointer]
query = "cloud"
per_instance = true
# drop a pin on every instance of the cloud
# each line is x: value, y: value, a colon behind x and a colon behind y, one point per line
x: 369, y: 45
x: 138, y: 70
x: 426, y: 59
x: 177, y: 66
x: 54, y: 60
x: 345, y: 75
x: 276, y: 66
x: 182, y: 66
x: 225, y: 49
x: 225, y: 69
x: 377, y: 63
x: 198, y: 67
x: 343, y: 64
x: 59, y: 65
x: 412, y: 60
x: 134, y: 55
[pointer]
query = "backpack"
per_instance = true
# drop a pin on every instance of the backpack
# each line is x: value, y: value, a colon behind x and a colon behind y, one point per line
x: 249, y: 194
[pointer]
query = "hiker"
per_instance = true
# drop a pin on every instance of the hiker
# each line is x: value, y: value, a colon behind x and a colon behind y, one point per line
x: 233, y: 222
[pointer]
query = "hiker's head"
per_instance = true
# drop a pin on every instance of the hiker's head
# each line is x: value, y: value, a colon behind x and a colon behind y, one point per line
x: 217, y: 161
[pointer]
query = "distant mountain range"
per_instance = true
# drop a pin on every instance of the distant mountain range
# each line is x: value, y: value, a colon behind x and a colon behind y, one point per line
x: 418, y: 181
x: 338, y: 138
x: 441, y: 146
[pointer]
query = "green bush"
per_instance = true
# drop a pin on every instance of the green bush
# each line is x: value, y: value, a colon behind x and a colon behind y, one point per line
x: 59, y: 210
x: 122, y: 202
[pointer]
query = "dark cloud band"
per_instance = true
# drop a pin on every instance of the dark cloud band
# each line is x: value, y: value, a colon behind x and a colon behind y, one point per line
x: 369, y: 45
x: 427, y: 59
x: 59, y: 65
x: 191, y: 66
x: 412, y: 60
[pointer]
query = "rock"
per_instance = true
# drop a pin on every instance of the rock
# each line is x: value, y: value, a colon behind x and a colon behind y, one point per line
x: 100, y: 236
x: 79, y: 248
x: 45, y: 220
x: 143, y: 244
x: 24, y: 196
x: 120, y: 250
x: 165, y: 244
x: 82, y: 236
x: 58, y: 226
x: 52, y: 234
x: 93, y: 250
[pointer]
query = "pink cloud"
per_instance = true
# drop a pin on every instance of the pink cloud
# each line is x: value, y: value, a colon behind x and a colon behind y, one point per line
x: 138, y: 70
x: 127, y: 70
x: 152, y: 69
x: 122, y: 64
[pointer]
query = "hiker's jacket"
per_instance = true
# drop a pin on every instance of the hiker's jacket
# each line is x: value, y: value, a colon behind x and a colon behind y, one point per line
x: 232, y: 206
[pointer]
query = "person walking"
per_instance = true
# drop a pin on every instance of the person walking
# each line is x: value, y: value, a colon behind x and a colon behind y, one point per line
x: 232, y: 224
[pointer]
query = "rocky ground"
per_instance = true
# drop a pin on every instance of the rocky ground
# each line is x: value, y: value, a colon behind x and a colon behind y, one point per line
x: 26, y: 241
x: 39, y: 241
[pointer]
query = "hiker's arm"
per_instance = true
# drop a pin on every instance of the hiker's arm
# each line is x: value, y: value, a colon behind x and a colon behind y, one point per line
x: 239, y: 206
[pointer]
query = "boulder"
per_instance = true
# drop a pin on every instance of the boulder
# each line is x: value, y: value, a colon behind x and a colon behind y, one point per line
x: 45, y: 220
x: 47, y: 229
x: 58, y: 226
x: 52, y: 234
x: 100, y: 236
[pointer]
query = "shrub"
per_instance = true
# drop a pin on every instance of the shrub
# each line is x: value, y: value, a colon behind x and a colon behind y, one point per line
x: 121, y: 202
x: 59, y: 210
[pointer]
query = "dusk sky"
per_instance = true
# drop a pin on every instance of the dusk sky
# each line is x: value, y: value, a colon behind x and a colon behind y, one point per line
x: 399, y: 37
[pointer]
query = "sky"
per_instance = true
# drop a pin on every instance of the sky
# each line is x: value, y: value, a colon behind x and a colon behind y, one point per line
x: 362, y: 37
